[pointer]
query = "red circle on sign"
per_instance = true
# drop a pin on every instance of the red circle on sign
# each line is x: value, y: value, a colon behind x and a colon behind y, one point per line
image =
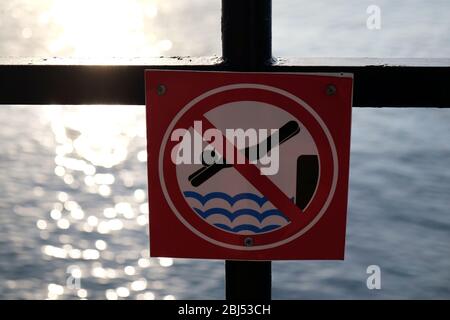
x: 277, y: 98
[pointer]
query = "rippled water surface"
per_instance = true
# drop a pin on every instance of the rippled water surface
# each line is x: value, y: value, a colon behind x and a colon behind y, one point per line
x: 73, y: 190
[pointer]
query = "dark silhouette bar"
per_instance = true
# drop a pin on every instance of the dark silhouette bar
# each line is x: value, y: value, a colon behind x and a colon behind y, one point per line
x: 247, y: 34
x: 247, y: 46
x: 253, y: 153
x: 248, y: 280
x: 398, y: 83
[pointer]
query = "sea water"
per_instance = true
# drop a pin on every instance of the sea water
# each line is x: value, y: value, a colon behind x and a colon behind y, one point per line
x: 73, y: 202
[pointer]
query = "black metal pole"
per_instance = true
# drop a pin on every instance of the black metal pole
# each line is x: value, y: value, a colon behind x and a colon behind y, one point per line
x: 247, y: 46
x: 247, y: 34
x: 248, y: 280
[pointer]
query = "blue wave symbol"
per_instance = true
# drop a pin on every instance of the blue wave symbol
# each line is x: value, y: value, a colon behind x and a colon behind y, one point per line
x: 226, y: 219
x: 241, y: 212
x: 260, y: 200
x: 247, y: 227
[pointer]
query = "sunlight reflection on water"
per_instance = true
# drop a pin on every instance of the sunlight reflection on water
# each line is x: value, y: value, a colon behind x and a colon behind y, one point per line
x: 90, y: 145
x: 106, y: 28
x: 87, y: 237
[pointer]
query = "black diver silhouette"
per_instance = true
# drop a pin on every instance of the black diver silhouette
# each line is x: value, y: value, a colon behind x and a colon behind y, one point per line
x: 307, y: 165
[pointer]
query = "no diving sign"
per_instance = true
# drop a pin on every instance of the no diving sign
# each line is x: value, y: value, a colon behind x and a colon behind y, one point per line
x: 250, y: 166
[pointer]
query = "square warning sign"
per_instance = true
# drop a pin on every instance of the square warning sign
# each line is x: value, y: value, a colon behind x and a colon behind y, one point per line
x: 248, y: 166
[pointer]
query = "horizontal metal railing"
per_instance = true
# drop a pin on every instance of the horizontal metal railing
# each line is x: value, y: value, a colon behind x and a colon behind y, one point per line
x: 416, y: 83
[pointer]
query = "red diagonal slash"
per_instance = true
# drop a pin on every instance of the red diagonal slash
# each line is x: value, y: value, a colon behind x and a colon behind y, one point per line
x: 262, y: 183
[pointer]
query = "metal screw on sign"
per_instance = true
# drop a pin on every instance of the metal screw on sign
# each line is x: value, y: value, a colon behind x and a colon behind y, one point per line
x: 331, y: 90
x: 248, y: 242
x: 161, y: 90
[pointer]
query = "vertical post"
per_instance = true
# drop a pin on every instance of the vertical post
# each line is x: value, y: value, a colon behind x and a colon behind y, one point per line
x: 247, y: 34
x: 247, y: 46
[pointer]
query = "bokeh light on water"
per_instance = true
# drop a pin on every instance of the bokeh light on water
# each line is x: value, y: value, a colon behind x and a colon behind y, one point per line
x: 91, y: 220
x: 86, y: 153
x: 109, y: 28
x: 74, y: 203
